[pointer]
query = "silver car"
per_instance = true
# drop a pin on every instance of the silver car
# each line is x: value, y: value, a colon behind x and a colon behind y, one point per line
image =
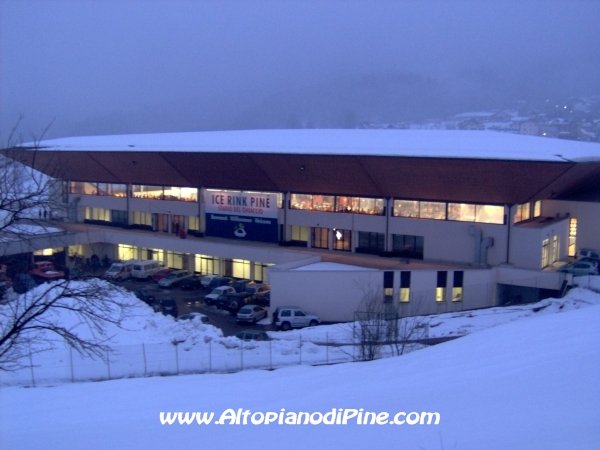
x: 174, y: 278
x: 251, y: 313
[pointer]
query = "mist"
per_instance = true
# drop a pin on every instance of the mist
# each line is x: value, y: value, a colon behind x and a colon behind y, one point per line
x: 139, y: 66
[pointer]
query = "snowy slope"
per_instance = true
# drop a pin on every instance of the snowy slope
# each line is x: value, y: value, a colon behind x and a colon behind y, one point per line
x: 529, y: 384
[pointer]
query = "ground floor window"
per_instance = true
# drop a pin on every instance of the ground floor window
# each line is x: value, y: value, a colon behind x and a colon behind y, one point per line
x: 206, y: 265
x: 320, y: 238
x: 142, y: 218
x: 118, y: 216
x: 555, y: 249
x: 408, y: 246
x: 442, y: 282
x: 404, y: 286
x: 127, y: 252
x: 260, y: 271
x: 457, y: 286
x: 299, y: 235
x: 160, y: 222
x: 177, y: 223
x: 545, y: 253
x: 151, y: 253
x: 176, y: 260
x: 193, y: 223
x: 342, y: 240
x: 240, y: 268
x: 97, y: 214
x: 370, y: 242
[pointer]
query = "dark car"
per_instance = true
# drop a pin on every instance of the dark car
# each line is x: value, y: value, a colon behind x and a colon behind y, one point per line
x: 253, y: 335
x: 241, y: 285
x: 218, y: 282
x: 145, y: 296
x: 191, y: 283
x: 168, y: 307
x: 234, y: 302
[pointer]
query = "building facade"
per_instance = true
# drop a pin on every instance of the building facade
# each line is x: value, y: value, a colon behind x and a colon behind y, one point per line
x: 462, y: 219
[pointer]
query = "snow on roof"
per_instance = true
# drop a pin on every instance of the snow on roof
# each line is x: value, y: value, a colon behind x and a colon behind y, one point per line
x: 369, y: 142
x: 329, y: 266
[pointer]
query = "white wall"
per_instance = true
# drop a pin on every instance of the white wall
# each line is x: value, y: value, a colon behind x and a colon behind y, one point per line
x: 333, y: 295
x: 588, y: 219
x: 446, y: 240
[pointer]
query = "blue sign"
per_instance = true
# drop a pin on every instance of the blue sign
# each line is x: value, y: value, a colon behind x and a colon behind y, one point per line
x: 242, y: 227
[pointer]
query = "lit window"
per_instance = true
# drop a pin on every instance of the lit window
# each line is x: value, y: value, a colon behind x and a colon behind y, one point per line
x: 489, y: 214
x: 457, y: 287
x: 523, y: 212
x: 301, y: 201
x: 406, y: 208
x: 537, y: 209
x: 461, y: 211
x: 404, y: 287
x: 572, y: 236
x: 432, y: 210
x: 442, y: 282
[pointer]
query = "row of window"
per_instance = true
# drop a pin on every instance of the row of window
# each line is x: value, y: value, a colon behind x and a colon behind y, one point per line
x: 333, y: 203
x: 137, y: 191
x: 464, y: 212
x: 441, y: 286
x: 204, y: 264
x: 406, y: 246
x: 524, y: 211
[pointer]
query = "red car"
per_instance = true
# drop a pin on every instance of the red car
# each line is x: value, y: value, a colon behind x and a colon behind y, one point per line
x: 161, y: 274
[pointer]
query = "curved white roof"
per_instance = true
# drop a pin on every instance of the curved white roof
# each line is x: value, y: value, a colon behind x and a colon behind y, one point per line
x: 410, y: 143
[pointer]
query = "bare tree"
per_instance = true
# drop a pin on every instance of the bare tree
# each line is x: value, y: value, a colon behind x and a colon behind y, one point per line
x: 26, y: 195
x: 378, y: 326
x: 75, y: 312
x: 78, y: 313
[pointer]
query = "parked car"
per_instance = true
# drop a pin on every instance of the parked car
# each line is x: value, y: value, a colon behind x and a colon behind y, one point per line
x: 258, y: 291
x: 219, y: 281
x: 168, y: 307
x: 145, y: 269
x: 174, y: 279
x: 581, y: 268
x: 589, y: 253
x: 253, y: 335
x: 206, y: 279
x: 251, y: 313
x: 286, y: 317
x: 161, y: 274
x: 211, y: 299
x: 145, y: 296
x: 193, y: 282
x: 241, y: 285
x: 120, y: 271
x: 195, y: 316
x: 233, y: 302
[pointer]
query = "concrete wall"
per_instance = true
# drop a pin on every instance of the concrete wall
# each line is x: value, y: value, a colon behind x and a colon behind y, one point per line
x: 446, y: 240
x: 333, y: 295
x: 526, y: 243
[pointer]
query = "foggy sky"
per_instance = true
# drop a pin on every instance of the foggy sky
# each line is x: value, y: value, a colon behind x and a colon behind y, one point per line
x: 103, y: 67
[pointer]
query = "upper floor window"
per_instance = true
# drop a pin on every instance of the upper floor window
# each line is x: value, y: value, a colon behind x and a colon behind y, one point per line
x: 464, y: 212
x: 164, y: 193
x: 330, y: 203
x: 523, y: 212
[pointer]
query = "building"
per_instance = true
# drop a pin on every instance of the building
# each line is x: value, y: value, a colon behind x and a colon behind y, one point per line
x: 439, y: 220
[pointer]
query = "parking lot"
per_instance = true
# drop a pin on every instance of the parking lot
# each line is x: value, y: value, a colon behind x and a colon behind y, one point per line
x: 192, y: 301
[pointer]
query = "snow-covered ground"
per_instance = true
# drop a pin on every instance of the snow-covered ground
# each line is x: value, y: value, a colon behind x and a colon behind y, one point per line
x: 150, y: 344
x: 531, y: 383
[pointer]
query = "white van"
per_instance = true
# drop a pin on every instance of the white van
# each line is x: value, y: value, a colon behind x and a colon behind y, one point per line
x: 121, y: 270
x: 145, y: 269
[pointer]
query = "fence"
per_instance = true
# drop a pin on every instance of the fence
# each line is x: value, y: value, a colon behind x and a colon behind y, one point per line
x: 225, y: 355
